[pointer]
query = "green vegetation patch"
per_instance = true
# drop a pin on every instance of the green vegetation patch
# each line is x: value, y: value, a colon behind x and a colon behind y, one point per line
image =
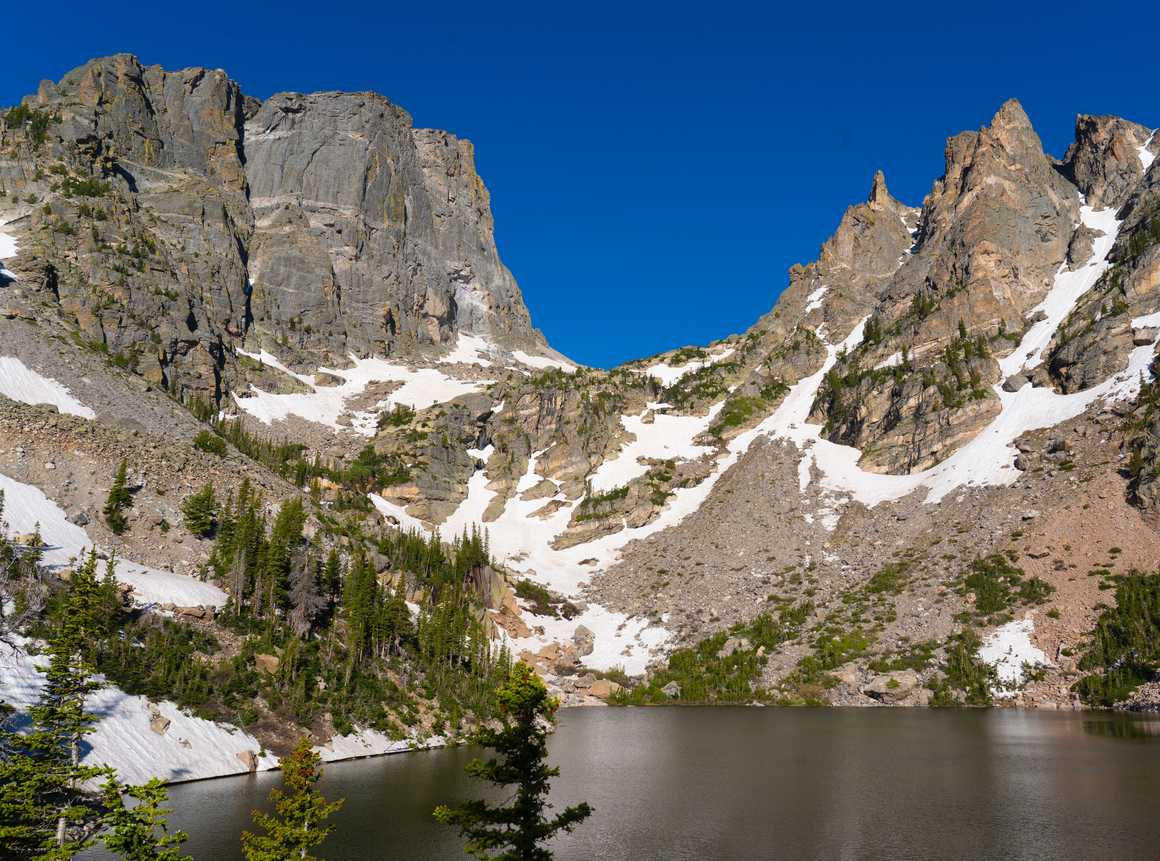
x: 1124, y: 649
x: 704, y: 673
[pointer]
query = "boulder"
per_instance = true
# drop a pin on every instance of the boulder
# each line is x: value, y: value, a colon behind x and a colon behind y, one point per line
x: 584, y: 640
x: 267, y: 663
x: 672, y: 690
x: 248, y: 759
x: 1015, y: 382
x: 158, y: 722
x: 732, y: 645
x: 604, y: 688
x: 892, y: 687
x: 1144, y: 337
x: 194, y: 614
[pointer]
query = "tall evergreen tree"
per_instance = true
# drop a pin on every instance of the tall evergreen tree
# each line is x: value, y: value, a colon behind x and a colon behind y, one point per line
x: 297, y: 824
x: 44, y: 812
x: 140, y: 833
x: 282, y: 554
x: 118, y: 501
x: 517, y: 829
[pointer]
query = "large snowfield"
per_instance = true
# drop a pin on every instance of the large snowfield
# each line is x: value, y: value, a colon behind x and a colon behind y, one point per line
x: 20, y: 383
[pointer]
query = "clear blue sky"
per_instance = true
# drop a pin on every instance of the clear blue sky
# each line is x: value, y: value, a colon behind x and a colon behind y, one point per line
x: 654, y: 169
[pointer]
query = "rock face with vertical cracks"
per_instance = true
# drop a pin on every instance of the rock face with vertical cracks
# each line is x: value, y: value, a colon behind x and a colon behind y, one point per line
x: 165, y: 217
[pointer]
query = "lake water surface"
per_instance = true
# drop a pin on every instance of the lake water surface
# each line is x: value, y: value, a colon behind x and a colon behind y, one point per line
x: 748, y: 783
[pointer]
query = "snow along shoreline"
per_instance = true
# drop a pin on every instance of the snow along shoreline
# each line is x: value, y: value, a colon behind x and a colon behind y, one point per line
x: 142, y: 739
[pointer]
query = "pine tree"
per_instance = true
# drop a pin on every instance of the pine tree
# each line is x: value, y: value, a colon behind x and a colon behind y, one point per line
x: 44, y: 812
x: 140, y: 833
x: 296, y: 825
x: 201, y: 512
x: 282, y: 553
x: 519, y: 828
x: 118, y: 500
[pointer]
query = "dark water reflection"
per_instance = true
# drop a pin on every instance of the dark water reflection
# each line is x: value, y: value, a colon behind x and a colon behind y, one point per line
x: 691, y: 783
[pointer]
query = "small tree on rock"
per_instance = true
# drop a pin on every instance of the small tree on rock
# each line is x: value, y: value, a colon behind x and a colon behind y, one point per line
x: 517, y: 830
x: 296, y: 825
x: 118, y: 501
x: 201, y: 512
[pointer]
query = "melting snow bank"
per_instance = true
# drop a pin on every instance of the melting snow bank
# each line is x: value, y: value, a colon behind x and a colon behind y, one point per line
x: 26, y: 508
x: 8, y: 248
x: 663, y: 438
x: 814, y: 300
x: 189, y: 748
x: 422, y: 388
x: 1146, y: 156
x: 542, y: 362
x: 20, y: 383
x: 1065, y: 292
x: 1008, y: 650
x: 182, y: 747
x: 667, y: 374
x: 470, y: 350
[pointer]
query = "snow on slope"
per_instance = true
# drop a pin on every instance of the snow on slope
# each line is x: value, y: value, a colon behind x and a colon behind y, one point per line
x: 8, y: 248
x: 988, y: 458
x: 1065, y: 292
x: 663, y: 438
x: 1146, y: 156
x: 814, y: 300
x: 667, y: 374
x: 523, y: 541
x: 470, y: 350
x: 1007, y: 649
x: 20, y: 383
x: 542, y: 362
x: 191, y: 747
x: 26, y: 508
x: 422, y: 388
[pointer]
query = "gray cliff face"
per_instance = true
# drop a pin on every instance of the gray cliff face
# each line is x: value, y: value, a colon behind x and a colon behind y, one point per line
x: 168, y: 218
x: 376, y: 232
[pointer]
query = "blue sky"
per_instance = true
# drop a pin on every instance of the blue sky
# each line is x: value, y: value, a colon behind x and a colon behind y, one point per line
x: 654, y: 169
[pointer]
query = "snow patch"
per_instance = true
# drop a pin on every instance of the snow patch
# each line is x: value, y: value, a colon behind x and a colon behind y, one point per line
x: 667, y: 374
x: 191, y: 747
x: 1007, y: 649
x: 1146, y: 156
x: 664, y: 438
x: 814, y: 300
x: 21, y: 383
x: 422, y: 388
x: 399, y: 513
x: 542, y: 362
x: 1148, y: 321
x: 26, y: 508
x: 891, y: 361
x: 1065, y: 292
x: 470, y: 350
x: 8, y: 244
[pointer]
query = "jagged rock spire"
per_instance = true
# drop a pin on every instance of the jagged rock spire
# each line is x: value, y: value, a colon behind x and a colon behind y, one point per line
x: 879, y: 195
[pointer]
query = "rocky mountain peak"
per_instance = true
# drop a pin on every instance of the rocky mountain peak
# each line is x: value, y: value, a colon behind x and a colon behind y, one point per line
x: 313, y: 225
x: 879, y: 195
x: 1104, y: 161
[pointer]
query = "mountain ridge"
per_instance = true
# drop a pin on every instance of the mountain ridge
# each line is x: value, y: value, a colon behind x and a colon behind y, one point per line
x: 952, y: 401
